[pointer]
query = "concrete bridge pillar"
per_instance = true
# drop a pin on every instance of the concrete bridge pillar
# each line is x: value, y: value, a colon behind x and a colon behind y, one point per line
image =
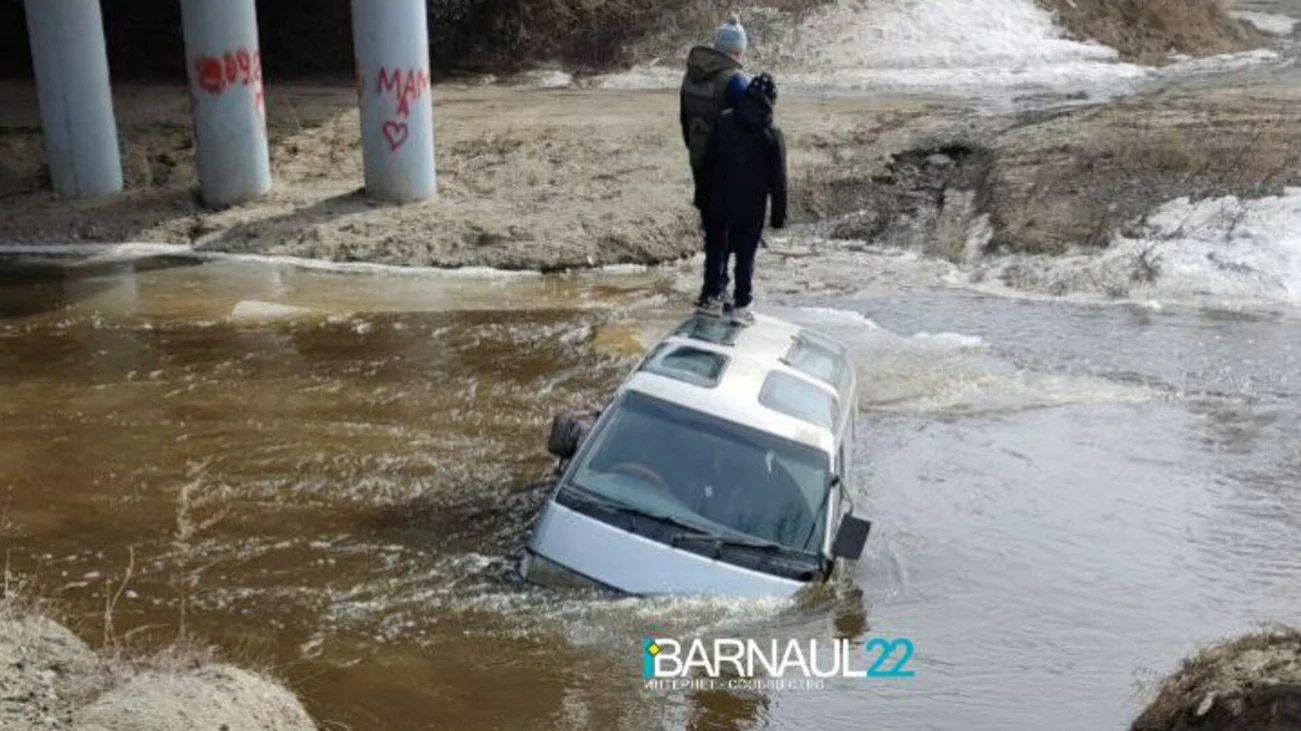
x: 391, y: 42
x: 72, y: 84
x: 224, y: 63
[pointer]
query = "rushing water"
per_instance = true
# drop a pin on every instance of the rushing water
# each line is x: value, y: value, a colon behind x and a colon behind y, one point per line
x: 327, y: 473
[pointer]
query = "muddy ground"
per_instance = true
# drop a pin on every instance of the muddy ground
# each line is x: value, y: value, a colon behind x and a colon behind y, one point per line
x: 555, y: 179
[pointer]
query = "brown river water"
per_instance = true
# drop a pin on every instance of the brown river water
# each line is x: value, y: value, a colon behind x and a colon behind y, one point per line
x: 326, y: 474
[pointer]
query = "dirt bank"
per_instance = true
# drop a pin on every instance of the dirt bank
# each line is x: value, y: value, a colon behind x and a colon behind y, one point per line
x: 1054, y: 181
x: 527, y: 179
x: 1149, y: 30
x: 1251, y: 683
x: 569, y: 179
x: 50, y: 679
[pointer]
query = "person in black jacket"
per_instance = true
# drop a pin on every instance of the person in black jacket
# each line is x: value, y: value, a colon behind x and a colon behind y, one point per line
x: 714, y: 82
x: 745, y: 165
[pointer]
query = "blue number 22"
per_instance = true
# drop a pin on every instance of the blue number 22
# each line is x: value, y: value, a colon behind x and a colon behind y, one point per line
x: 887, y: 649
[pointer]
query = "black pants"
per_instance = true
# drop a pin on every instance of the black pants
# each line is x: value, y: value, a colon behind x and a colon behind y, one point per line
x: 697, y: 174
x: 722, y: 242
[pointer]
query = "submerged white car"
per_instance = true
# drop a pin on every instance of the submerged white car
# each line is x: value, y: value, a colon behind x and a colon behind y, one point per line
x: 718, y: 467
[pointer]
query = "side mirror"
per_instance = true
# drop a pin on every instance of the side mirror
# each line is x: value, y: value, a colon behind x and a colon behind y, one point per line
x: 566, y: 431
x: 850, y: 538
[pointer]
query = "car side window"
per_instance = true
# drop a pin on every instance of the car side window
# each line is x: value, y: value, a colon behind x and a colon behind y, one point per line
x: 800, y: 399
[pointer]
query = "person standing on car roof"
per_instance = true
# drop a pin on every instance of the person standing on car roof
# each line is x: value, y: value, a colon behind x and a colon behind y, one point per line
x: 713, y: 83
x: 744, y: 166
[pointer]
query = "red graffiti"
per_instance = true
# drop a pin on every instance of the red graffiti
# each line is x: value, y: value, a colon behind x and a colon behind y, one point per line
x: 208, y: 75
x: 215, y: 75
x: 407, y: 87
x: 395, y: 133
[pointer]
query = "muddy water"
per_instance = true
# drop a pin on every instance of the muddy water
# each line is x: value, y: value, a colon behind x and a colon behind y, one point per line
x: 327, y: 474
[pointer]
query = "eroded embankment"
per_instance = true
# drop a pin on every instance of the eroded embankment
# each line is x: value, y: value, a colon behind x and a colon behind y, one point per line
x: 564, y: 179
x: 553, y: 180
x: 50, y: 679
x: 1049, y: 182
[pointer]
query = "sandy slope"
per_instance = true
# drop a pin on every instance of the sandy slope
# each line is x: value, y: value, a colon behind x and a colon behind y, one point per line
x: 563, y: 179
x: 527, y: 179
x: 50, y: 679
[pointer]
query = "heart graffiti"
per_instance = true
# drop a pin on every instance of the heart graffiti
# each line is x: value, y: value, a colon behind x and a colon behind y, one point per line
x: 395, y: 133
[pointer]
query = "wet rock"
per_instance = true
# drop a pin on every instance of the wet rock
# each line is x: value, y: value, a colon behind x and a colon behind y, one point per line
x: 1251, y: 683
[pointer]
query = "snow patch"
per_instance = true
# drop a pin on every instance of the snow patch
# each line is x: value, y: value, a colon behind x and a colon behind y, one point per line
x: 831, y: 314
x: 545, y: 79
x: 1226, y: 246
x: 1230, y: 251
x: 1272, y: 23
x: 993, y: 49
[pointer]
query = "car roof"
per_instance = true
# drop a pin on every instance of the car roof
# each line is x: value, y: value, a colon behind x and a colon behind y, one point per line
x: 742, y: 390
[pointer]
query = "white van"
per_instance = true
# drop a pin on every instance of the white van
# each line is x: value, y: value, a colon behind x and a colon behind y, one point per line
x: 718, y: 467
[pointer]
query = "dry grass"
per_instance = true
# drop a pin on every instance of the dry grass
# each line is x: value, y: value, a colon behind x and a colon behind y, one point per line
x: 1252, y: 682
x: 597, y: 35
x: 1148, y: 30
x: 51, y: 679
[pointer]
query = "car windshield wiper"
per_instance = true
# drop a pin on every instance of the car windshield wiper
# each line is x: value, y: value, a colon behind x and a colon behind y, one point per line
x: 586, y: 496
x: 720, y: 541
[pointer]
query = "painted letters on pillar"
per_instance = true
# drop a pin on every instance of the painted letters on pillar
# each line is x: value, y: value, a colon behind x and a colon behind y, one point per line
x: 215, y: 75
x: 407, y: 87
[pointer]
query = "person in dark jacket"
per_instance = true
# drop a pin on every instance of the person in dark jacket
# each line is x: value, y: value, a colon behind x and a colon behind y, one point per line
x: 713, y: 82
x: 745, y: 165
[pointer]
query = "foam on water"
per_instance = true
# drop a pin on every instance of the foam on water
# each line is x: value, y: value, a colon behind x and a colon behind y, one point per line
x: 951, y: 340
x: 257, y: 311
x: 398, y: 606
x: 951, y: 373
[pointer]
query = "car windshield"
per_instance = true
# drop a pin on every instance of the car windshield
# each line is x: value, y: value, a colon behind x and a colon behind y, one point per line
x: 728, y: 480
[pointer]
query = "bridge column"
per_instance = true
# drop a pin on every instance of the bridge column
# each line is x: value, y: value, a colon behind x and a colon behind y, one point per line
x: 391, y: 42
x: 76, y: 100
x: 224, y: 63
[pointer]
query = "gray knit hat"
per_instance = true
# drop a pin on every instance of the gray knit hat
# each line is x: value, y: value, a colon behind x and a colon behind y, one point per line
x: 730, y: 37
